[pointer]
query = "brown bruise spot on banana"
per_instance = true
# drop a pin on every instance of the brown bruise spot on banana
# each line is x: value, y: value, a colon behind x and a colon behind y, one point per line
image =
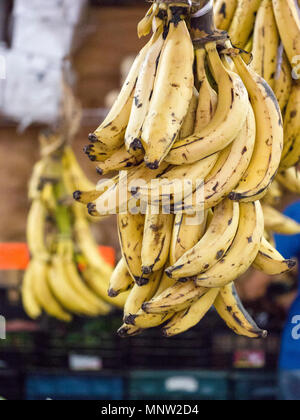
x: 270, y: 94
x: 223, y: 10
x: 220, y: 254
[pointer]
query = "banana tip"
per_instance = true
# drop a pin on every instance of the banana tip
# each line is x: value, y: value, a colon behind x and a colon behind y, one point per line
x: 141, y: 281
x: 93, y: 138
x: 99, y: 171
x: 130, y: 320
x: 112, y: 293
x: 77, y: 195
x: 153, y: 165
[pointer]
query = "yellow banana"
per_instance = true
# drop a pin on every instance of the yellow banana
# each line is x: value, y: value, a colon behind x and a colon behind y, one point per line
x: 140, y: 294
x: 243, y: 22
x: 172, y: 94
x: 121, y: 280
x: 288, y: 22
x: 224, y: 12
x: 131, y: 231
x: 31, y: 305
x: 269, y: 137
x: 174, y: 299
x: 290, y: 179
x: 291, y: 150
x: 36, y: 222
x: 265, y: 43
x: 156, y: 240
x: 279, y: 223
x: 270, y: 261
x: 143, y: 94
x: 187, y: 232
x: 110, y: 134
x: 187, y: 319
x: 232, y: 311
x: 120, y: 160
x: 226, y: 123
x: 43, y: 292
x: 283, y: 80
x: 212, y: 246
x: 242, y: 252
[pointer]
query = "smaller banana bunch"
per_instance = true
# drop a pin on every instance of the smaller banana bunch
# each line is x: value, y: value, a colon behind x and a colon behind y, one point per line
x: 270, y: 29
x: 66, y: 275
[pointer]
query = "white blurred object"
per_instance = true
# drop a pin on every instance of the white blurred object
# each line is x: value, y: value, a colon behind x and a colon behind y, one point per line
x: 68, y: 11
x: 43, y: 37
x: 33, y: 88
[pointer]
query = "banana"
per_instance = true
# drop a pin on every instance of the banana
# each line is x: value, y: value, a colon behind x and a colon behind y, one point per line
x: 30, y: 303
x: 279, y: 223
x: 87, y: 243
x: 270, y: 261
x: 126, y: 331
x: 224, y: 12
x: 174, y: 299
x: 283, y: 80
x: 243, y: 22
x: 145, y: 25
x: 290, y: 179
x: 110, y: 134
x: 121, y: 280
x: 35, y: 183
x: 178, y: 182
x: 274, y: 194
x: 291, y: 150
x: 188, y: 124
x: 64, y: 292
x: 100, y: 284
x: 229, y: 169
x: 156, y: 240
x: 123, y: 195
x: 131, y: 230
x: 208, y: 98
x: 120, y: 160
x: 140, y: 294
x: 80, y: 180
x: 86, y: 197
x: 187, y: 232
x: 269, y: 137
x: 232, y: 311
x: 288, y: 22
x: 187, y: 319
x: 43, y: 294
x: 143, y: 93
x: 96, y: 153
x: 173, y: 90
x: 212, y: 246
x: 36, y: 224
x: 242, y: 252
x: 93, y: 301
x: 227, y: 122
x: 143, y: 320
x: 265, y: 43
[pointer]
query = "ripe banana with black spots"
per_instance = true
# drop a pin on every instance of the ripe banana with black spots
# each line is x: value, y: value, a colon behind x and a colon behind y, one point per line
x: 227, y: 121
x: 224, y: 12
x: 212, y: 246
x: 288, y: 22
x: 121, y: 280
x: 269, y: 137
x: 270, y: 261
x: 173, y: 90
x: 279, y: 223
x: 242, y: 252
x: 232, y: 311
x: 190, y: 317
x: 156, y: 240
x: 265, y: 43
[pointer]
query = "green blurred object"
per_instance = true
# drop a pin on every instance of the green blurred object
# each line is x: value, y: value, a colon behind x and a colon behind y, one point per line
x: 178, y: 385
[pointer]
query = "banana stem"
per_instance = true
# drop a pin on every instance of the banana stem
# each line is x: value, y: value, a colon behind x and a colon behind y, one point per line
x: 62, y: 214
x: 203, y: 25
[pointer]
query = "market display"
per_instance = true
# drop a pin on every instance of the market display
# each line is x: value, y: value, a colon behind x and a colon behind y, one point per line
x: 194, y: 112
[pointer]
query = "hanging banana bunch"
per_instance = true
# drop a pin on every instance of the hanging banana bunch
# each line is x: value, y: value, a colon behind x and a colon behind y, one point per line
x: 66, y: 276
x: 270, y: 30
x: 192, y: 113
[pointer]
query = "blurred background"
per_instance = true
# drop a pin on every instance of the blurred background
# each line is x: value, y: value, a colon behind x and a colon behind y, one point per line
x: 91, y: 44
